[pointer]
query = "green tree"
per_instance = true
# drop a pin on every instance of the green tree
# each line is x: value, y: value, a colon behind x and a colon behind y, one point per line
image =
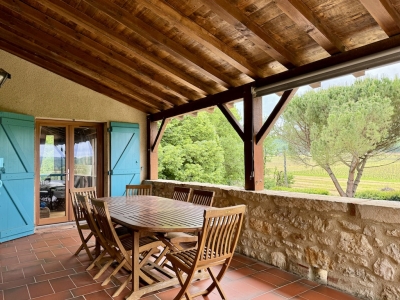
x: 191, y: 150
x: 343, y: 125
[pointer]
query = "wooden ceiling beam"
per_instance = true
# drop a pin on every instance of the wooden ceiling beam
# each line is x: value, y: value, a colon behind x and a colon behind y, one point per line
x: 131, y: 48
x: 61, y: 70
x: 381, y: 16
x: 293, y: 13
x: 252, y: 31
x: 23, y: 40
x: 163, y: 42
x: 112, y: 59
x: 237, y: 93
x: 82, y: 61
x: 393, y: 12
x: 202, y: 36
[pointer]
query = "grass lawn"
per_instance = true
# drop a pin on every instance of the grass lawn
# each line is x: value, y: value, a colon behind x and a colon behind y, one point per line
x: 378, y: 174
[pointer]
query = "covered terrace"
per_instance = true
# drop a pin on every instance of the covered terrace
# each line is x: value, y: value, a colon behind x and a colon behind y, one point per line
x: 148, y: 61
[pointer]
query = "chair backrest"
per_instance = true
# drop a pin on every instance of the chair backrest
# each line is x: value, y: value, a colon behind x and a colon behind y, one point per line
x: 220, y: 233
x: 205, y: 198
x: 85, y: 208
x: 181, y: 193
x: 89, y: 191
x: 141, y: 189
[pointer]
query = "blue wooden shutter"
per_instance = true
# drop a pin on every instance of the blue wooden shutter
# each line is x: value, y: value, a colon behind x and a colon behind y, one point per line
x: 125, y: 156
x: 16, y: 176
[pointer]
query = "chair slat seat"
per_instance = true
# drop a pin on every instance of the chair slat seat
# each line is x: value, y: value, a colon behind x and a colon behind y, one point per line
x: 217, y: 243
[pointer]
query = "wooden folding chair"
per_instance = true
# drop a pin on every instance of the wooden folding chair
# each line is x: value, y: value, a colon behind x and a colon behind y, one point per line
x: 205, y: 198
x: 141, y: 189
x: 181, y: 193
x: 218, y: 239
x: 79, y: 217
x: 123, y: 247
x: 107, y: 261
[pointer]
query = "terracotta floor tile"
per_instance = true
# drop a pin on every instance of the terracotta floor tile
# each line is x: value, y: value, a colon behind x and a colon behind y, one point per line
x: 313, y: 295
x: 60, y: 252
x: 62, y: 284
x: 53, y: 242
x: 20, y: 293
x: 259, y: 266
x: 9, y: 261
x: 25, y: 264
x: 268, y: 277
x: 54, y: 275
x: 8, y: 250
x: 100, y: 295
x: 27, y: 257
x: 37, y: 245
x: 270, y: 296
x: 90, y: 288
x: 23, y: 246
x: 12, y: 275
x: 283, y: 274
x: 57, y: 296
x: 16, y: 283
x: 53, y: 267
x: 240, y: 290
x: 33, y: 271
x: 292, y: 289
x: 240, y: 273
x: 262, y: 285
x: 235, y: 264
x: 333, y: 293
x: 40, y: 289
x: 82, y: 279
x: 309, y: 282
x: 70, y: 262
x: 44, y: 254
x: 244, y: 259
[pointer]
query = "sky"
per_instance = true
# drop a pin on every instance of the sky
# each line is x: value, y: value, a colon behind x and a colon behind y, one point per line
x: 269, y: 101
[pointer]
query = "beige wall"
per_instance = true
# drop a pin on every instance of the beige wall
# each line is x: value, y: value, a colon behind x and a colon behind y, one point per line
x: 35, y: 91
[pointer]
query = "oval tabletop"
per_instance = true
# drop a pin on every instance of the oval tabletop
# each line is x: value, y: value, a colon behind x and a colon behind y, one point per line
x: 156, y: 214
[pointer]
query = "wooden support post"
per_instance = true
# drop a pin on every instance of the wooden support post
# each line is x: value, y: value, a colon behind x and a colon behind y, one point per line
x: 154, y: 135
x: 253, y: 153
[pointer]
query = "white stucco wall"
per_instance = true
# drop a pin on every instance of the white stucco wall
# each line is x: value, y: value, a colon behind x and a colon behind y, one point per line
x: 35, y: 91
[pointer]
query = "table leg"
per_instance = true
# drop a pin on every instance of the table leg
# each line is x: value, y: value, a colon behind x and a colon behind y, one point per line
x: 135, y: 260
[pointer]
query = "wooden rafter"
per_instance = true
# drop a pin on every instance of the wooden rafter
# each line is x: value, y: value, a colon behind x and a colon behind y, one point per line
x: 232, y: 120
x: 395, y: 14
x: 141, y: 28
x: 316, y: 32
x: 192, y: 29
x: 252, y: 31
x: 130, y: 47
x: 381, y: 16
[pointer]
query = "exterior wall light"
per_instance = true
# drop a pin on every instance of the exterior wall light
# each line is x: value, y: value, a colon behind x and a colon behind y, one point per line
x: 4, y: 76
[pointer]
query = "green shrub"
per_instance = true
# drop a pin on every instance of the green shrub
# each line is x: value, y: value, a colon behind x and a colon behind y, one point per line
x: 379, y: 195
x: 301, y: 190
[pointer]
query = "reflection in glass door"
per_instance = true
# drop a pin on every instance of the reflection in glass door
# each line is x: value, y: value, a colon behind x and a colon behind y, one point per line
x: 54, y: 172
x: 68, y: 158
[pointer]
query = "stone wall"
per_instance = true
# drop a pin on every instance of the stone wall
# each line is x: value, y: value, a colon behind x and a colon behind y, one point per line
x: 349, y: 244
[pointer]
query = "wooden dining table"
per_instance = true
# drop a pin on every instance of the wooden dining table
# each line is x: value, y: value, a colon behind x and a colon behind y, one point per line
x: 152, y: 214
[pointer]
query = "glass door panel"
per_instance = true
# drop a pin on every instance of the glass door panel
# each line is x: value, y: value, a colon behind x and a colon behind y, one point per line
x: 85, y: 157
x: 53, y: 172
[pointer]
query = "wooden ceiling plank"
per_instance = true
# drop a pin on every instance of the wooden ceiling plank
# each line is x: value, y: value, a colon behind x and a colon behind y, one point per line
x: 257, y: 35
x: 161, y: 41
x: 130, y: 47
x: 202, y: 36
x: 381, y: 16
x: 70, y: 74
x: 388, y: 5
x: 297, y: 17
x: 72, y: 37
x: 25, y: 44
x: 317, y: 24
x: 83, y: 60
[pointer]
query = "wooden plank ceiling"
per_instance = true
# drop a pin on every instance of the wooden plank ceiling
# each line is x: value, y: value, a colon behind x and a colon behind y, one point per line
x: 155, y: 55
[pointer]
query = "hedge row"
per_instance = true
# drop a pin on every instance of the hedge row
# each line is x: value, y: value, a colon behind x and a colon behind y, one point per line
x: 301, y: 190
x: 379, y: 195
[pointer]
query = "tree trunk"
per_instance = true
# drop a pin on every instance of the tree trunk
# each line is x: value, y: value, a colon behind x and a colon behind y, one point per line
x: 350, y: 178
x: 360, y: 170
x: 335, y: 181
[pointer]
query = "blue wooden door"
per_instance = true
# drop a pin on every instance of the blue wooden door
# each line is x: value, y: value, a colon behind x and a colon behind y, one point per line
x: 16, y: 176
x: 125, y: 156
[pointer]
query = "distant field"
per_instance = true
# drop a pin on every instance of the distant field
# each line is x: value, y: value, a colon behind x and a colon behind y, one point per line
x: 385, y: 174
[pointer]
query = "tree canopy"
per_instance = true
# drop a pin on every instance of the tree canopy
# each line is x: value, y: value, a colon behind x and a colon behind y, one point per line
x: 343, y: 125
x: 204, y: 149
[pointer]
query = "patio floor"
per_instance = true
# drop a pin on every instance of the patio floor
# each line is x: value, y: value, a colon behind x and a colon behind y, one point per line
x: 42, y: 266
